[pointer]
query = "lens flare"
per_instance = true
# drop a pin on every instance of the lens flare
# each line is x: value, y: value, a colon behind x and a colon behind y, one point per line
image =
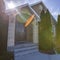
x: 10, y: 5
x: 29, y: 20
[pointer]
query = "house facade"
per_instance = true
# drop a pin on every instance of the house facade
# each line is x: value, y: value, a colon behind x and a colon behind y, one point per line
x: 16, y: 33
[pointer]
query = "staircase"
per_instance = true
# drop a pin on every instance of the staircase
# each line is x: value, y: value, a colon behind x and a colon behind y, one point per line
x: 24, y: 49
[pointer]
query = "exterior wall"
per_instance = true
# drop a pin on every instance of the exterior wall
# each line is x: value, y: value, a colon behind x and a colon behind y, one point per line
x: 38, y: 8
x: 2, y: 6
x: 35, y: 31
x: 3, y: 28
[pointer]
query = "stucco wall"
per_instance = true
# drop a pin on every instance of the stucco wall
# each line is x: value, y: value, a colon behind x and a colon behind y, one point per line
x: 2, y: 6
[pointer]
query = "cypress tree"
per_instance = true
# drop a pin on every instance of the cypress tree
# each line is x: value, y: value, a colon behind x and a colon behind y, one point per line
x: 57, y: 41
x: 45, y: 32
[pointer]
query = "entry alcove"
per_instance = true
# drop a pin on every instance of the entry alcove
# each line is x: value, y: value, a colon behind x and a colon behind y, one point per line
x: 23, y: 34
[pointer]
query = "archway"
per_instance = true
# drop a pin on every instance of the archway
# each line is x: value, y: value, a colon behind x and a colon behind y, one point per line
x: 22, y: 33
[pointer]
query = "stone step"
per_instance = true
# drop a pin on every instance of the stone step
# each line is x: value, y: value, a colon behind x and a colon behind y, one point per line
x: 25, y: 48
x: 26, y: 52
x: 25, y: 45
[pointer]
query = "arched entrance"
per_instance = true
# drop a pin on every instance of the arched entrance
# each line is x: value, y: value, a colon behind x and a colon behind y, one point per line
x: 23, y: 34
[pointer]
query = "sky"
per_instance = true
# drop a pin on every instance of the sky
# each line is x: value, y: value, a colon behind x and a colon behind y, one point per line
x: 52, y: 5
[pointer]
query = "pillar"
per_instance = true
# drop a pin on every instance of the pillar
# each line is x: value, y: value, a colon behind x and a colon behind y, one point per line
x: 11, y: 31
x: 35, y: 32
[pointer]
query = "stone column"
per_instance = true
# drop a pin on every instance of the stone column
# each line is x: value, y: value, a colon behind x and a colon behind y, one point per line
x: 11, y: 31
x: 35, y: 31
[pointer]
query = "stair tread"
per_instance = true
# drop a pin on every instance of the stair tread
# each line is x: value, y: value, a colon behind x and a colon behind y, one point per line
x: 21, y: 49
x: 26, y: 48
x: 26, y: 52
x: 25, y: 45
